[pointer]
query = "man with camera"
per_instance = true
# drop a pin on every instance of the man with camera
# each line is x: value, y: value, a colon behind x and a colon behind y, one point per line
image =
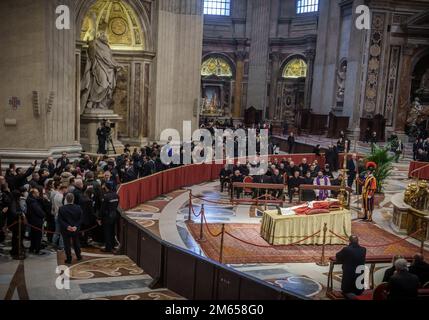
x: 104, y: 135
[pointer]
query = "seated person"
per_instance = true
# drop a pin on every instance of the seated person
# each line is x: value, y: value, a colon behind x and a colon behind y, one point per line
x: 308, y: 195
x: 403, y: 284
x: 225, y: 176
x: 390, y: 271
x: 237, y: 177
x: 316, y: 165
x: 282, y: 168
x: 304, y: 167
x: 293, y: 185
x: 327, y: 171
x: 420, y: 268
x: 322, y: 180
x: 291, y: 168
x: 277, y: 178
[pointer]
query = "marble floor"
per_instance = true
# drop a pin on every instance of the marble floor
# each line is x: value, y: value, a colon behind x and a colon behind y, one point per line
x: 98, y: 276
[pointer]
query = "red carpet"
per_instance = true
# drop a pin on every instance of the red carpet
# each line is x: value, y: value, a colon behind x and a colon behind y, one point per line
x: 236, y: 252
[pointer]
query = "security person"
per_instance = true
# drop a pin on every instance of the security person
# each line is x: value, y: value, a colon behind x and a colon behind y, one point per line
x: 108, y: 212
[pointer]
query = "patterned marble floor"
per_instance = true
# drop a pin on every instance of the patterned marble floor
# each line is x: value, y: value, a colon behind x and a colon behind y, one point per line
x: 98, y: 276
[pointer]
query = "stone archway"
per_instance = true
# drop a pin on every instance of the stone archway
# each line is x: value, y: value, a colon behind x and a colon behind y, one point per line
x: 131, y: 39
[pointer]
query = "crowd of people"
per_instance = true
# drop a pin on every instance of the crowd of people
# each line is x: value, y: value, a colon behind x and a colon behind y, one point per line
x: 69, y: 202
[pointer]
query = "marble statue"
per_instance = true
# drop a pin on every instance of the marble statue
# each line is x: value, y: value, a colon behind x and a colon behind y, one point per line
x: 423, y: 90
x: 415, y: 112
x: 341, y: 82
x: 99, y: 79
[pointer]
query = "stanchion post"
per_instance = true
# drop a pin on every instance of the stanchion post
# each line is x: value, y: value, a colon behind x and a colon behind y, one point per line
x: 423, y: 237
x: 322, y: 258
x: 201, y: 224
x: 221, y: 243
x: 190, y: 206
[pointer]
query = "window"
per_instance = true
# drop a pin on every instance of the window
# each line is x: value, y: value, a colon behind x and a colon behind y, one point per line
x: 305, y: 6
x: 217, y: 7
x: 295, y: 68
x: 215, y: 66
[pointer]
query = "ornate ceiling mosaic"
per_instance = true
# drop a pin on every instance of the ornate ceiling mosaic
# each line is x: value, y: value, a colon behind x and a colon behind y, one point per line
x: 118, y: 20
x: 216, y: 66
x: 295, y: 68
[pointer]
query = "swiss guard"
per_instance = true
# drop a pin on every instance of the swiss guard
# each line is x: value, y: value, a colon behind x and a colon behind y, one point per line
x: 368, y: 191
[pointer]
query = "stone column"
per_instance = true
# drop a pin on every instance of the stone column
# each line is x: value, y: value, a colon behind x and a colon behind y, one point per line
x: 177, y: 65
x: 404, y: 89
x: 309, y: 55
x: 275, y: 66
x: 239, y: 73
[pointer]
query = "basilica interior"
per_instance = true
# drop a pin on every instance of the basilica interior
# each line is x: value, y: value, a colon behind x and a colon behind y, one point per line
x: 317, y: 70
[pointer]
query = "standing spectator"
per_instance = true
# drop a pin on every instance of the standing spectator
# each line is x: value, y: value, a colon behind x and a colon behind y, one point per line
x: 109, y: 207
x: 418, y: 144
x: 330, y: 156
x: 62, y: 163
x: 16, y: 178
x: 351, y: 257
x: 57, y: 203
x: 367, y: 136
x: 352, y: 167
x: 316, y: 150
x: 69, y: 217
x: 373, y: 140
x: 88, y: 215
x: 291, y: 142
x: 285, y: 128
x: 403, y: 284
x: 35, y: 217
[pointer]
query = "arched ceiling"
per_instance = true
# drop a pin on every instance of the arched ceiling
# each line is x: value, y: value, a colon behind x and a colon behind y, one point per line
x: 118, y: 20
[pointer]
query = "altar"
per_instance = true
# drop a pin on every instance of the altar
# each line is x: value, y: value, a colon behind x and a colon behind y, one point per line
x: 286, y: 229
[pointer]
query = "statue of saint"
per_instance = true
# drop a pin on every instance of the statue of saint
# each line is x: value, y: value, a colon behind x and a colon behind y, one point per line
x: 99, y: 79
x: 424, y: 85
x: 415, y: 112
x: 341, y: 82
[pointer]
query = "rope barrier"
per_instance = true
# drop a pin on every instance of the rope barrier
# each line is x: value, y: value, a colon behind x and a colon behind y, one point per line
x: 11, y: 225
x: 193, y: 212
x: 270, y: 246
x: 379, y: 245
x: 53, y: 232
x: 208, y: 229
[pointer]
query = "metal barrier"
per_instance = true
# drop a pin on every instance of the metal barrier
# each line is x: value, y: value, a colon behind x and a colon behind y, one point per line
x: 190, y: 275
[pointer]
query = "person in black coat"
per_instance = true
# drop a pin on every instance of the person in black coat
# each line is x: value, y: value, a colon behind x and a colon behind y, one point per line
x: 352, y: 167
x: 87, y: 205
x: 351, y: 257
x: 109, y: 208
x: 224, y: 176
x: 308, y: 195
x: 293, y: 184
x: 291, y: 142
x: 237, y: 177
x: 330, y: 157
x: 35, y: 217
x: 420, y: 268
x: 62, y: 163
x: 70, y: 218
x: 277, y: 178
x: 13, y: 214
x: 16, y: 178
x: 403, y: 284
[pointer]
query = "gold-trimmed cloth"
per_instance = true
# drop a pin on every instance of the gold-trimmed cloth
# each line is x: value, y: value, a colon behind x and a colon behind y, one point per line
x: 283, y: 230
